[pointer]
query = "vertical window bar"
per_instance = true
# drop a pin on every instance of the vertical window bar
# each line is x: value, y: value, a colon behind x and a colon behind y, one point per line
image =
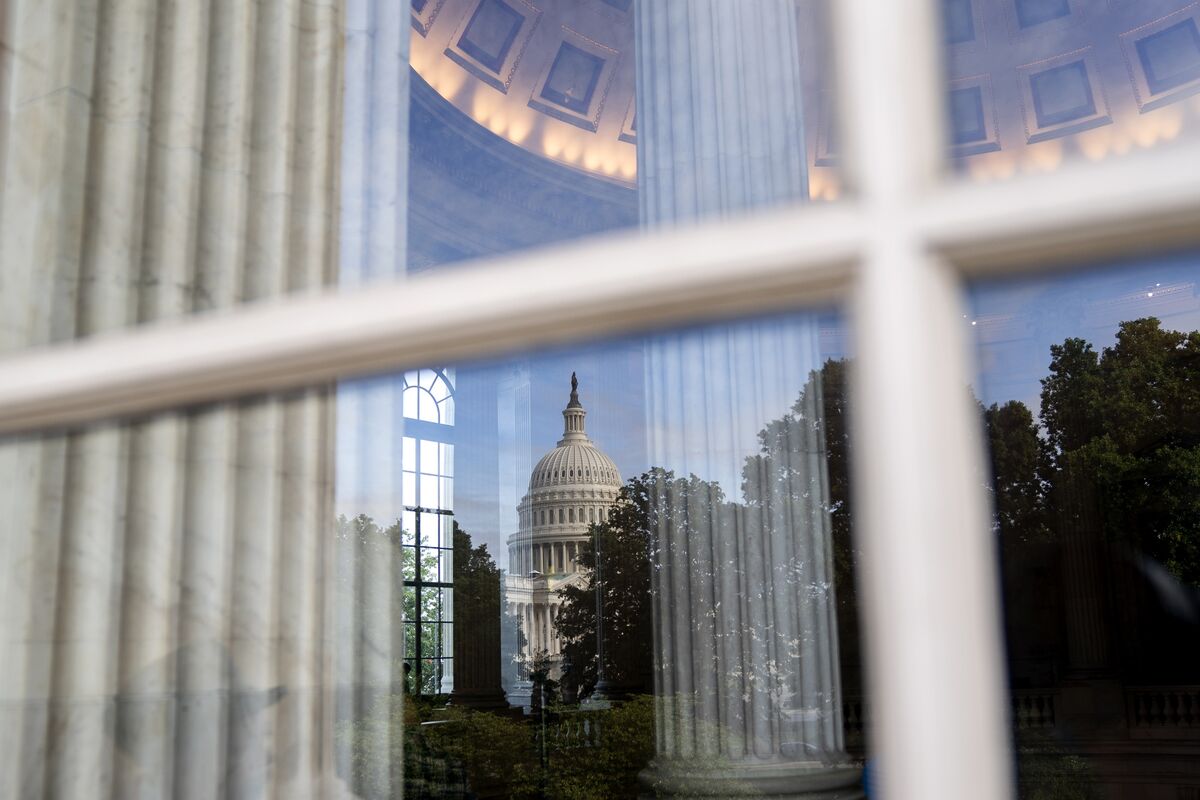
x: 939, y: 722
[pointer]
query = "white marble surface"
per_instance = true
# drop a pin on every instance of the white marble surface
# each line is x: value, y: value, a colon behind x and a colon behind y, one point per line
x: 166, y: 606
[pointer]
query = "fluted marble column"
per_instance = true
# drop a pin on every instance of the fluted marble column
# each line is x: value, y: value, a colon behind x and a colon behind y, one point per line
x: 745, y: 640
x: 165, y: 583
x: 369, y: 413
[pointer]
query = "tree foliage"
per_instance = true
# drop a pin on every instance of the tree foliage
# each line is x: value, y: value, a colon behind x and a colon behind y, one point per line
x: 623, y: 542
x: 1019, y: 470
x: 801, y: 469
x: 1123, y: 429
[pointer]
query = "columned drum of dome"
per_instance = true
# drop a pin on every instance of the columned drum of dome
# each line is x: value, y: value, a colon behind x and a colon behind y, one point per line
x: 571, y: 487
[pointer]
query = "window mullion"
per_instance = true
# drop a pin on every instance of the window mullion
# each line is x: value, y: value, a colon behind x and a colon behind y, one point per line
x: 930, y: 593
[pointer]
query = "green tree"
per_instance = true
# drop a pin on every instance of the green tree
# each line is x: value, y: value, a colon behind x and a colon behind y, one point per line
x: 624, y: 542
x: 1123, y: 430
x: 370, y: 553
x: 1019, y: 466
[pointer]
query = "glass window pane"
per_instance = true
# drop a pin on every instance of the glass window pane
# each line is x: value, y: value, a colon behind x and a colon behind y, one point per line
x: 408, y: 525
x: 429, y: 493
x: 532, y: 124
x: 429, y: 456
x: 1089, y: 388
x: 717, y: 454
x: 734, y: 406
x: 409, y: 565
x: 410, y: 598
x: 409, y: 481
x: 411, y: 397
x: 410, y: 640
x: 427, y: 410
x: 445, y: 567
x: 431, y: 632
x: 469, y: 129
x: 431, y: 530
x: 1033, y: 84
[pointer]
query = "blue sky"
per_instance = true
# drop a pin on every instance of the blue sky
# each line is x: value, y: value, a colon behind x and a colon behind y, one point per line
x: 1016, y: 321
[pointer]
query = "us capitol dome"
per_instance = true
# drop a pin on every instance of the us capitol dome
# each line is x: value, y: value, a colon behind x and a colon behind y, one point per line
x: 573, y: 486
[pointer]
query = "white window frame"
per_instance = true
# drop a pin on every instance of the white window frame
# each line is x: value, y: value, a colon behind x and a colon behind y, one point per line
x: 895, y: 255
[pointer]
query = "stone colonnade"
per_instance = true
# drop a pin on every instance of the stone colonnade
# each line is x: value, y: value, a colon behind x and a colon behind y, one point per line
x: 537, y: 622
x: 557, y: 557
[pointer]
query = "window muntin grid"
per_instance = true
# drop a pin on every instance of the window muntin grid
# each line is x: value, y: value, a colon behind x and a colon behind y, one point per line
x: 427, y: 491
x: 1148, y: 203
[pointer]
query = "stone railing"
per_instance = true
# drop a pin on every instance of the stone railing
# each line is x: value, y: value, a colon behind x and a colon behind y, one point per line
x: 1033, y: 710
x: 574, y: 729
x: 1168, y: 707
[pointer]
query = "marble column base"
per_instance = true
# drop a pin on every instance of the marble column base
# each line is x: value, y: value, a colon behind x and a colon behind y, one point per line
x: 782, y: 781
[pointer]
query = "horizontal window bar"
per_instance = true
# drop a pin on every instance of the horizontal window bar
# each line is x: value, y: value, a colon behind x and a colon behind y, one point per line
x: 555, y: 296
x: 614, y: 286
x: 1081, y: 212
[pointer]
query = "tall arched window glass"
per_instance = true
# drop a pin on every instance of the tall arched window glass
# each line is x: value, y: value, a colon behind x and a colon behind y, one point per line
x: 427, y: 459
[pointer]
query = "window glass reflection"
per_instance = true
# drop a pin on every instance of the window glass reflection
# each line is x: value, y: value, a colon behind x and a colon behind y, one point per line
x: 389, y: 138
x: 1089, y: 393
x: 646, y: 583
x: 1034, y: 83
x: 533, y: 123
x: 626, y: 568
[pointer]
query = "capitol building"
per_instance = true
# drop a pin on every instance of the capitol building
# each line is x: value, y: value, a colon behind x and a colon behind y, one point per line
x: 573, y: 486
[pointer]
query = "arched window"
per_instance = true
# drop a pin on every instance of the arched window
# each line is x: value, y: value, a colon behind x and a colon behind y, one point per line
x: 571, y: 515
x: 562, y: 516
x: 581, y: 515
x: 591, y: 515
x: 428, y: 395
x: 427, y: 460
x: 543, y: 516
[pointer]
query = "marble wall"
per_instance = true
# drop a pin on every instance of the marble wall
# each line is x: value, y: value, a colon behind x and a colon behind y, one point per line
x: 168, y: 606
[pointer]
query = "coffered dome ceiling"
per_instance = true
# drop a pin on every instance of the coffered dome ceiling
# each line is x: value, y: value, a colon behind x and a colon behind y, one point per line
x: 555, y: 77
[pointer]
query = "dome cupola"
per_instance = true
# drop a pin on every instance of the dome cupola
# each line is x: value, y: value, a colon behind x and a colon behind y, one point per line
x: 572, y: 487
x: 575, y: 462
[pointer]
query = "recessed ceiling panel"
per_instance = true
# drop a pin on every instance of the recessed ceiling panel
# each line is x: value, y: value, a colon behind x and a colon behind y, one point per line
x: 1171, y: 57
x: 1062, y: 94
x: 1035, y: 12
x: 966, y: 113
x: 959, y: 20
x: 491, y: 32
x: 573, y: 78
